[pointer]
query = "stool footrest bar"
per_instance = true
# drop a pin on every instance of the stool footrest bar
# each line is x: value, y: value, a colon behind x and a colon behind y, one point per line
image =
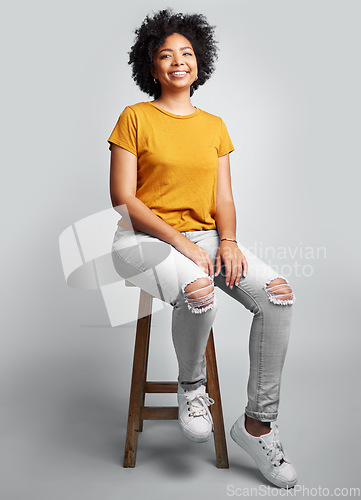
x: 159, y: 413
x: 161, y: 387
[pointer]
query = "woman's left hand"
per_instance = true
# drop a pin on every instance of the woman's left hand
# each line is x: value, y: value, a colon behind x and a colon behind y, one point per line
x: 234, y: 262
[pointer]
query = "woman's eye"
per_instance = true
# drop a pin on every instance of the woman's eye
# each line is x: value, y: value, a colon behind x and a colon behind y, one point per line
x: 168, y: 55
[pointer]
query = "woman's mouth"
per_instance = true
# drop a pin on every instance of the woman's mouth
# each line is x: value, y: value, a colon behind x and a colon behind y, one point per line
x: 178, y: 74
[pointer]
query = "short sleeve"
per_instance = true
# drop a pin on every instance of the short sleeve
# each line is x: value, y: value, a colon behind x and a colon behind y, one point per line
x: 125, y: 131
x: 225, y: 144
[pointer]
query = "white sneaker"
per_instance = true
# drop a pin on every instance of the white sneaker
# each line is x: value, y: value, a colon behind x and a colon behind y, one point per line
x: 267, y: 452
x: 194, y: 418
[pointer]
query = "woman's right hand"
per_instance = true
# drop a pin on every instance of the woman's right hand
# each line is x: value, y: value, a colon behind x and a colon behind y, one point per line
x: 197, y: 254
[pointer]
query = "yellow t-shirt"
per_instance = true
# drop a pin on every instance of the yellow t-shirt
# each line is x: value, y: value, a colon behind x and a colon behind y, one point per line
x: 177, y: 161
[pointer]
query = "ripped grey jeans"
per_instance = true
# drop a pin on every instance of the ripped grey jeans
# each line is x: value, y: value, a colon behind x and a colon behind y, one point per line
x: 164, y: 272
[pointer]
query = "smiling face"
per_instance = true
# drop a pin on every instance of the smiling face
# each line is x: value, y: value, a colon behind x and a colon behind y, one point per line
x: 175, y: 63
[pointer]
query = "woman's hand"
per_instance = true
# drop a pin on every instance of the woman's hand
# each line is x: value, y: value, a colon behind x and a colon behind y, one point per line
x: 197, y: 254
x: 234, y: 262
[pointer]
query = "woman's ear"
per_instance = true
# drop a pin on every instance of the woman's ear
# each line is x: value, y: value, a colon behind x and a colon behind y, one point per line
x: 153, y: 72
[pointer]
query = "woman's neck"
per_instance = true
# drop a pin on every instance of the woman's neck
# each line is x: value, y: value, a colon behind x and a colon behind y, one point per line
x: 178, y: 104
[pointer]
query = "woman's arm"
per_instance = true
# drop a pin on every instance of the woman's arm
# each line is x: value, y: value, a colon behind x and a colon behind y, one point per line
x: 225, y: 211
x: 123, y: 186
x: 225, y: 218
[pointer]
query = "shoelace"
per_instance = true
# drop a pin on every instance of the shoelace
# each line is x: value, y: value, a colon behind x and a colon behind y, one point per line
x: 202, y: 408
x: 275, y: 451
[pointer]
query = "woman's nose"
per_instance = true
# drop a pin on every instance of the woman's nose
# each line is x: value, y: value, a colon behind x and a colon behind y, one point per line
x: 178, y: 60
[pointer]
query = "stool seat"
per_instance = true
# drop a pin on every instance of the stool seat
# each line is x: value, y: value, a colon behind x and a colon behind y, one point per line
x: 140, y: 386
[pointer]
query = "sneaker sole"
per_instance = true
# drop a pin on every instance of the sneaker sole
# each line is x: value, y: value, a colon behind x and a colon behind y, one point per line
x: 192, y: 437
x: 238, y: 439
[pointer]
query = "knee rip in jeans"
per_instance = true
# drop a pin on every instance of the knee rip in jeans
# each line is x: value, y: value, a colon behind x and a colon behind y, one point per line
x: 279, y: 291
x: 199, y: 295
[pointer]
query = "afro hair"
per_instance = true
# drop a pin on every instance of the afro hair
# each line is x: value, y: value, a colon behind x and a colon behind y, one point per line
x: 152, y: 34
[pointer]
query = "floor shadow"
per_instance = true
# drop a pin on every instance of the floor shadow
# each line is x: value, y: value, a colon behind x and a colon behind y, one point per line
x: 162, y: 445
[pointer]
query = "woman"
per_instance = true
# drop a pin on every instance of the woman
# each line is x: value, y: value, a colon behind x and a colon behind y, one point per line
x: 170, y: 180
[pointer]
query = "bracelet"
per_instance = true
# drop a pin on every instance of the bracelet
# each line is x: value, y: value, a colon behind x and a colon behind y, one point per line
x: 229, y: 239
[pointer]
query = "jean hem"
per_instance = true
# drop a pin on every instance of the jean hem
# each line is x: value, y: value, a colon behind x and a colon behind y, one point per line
x: 192, y: 387
x: 262, y: 417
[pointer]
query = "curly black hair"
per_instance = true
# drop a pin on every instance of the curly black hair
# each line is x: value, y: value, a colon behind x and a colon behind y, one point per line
x: 152, y: 34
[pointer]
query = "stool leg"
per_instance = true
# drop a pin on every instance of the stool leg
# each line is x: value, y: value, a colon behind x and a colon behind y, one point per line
x: 216, y: 408
x: 136, y: 399
x: 145, y: 375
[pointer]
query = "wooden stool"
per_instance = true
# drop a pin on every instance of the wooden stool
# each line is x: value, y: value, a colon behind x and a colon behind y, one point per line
x: 140, y: 386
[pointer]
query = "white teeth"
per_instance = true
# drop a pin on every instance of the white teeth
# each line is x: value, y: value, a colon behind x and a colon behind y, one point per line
x: 179, y: 73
